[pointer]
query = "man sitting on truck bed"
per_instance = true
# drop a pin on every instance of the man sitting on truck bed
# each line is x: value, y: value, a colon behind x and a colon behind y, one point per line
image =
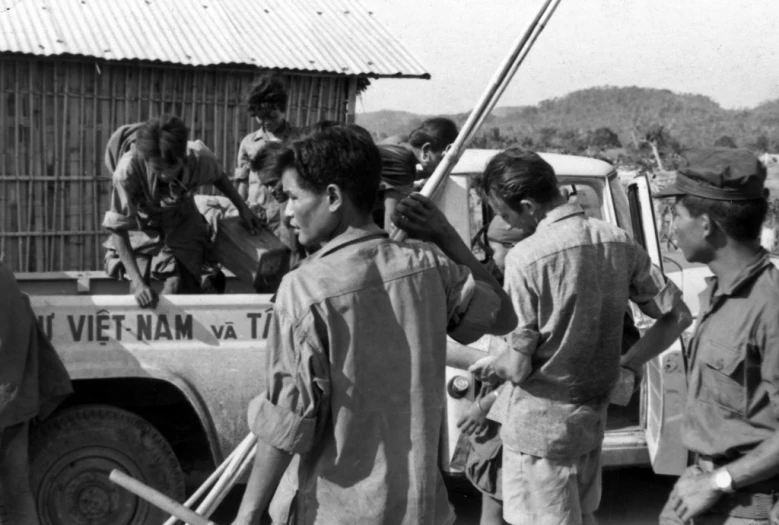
x: 358, y: 347
x: 569, y: 282
x: 157, y: 230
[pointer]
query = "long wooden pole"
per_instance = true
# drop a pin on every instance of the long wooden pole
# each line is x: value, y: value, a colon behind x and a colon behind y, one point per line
x: 435, y: 182
x: 158, y: 499
x: 515, y: 66
x: 215, y: 476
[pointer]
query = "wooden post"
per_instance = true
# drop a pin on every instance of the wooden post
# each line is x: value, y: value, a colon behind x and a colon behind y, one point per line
x: 351, y: 104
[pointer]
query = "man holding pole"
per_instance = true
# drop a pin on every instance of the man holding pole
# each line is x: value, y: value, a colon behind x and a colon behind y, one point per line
x: 569, y: 284
x: 355, y: 382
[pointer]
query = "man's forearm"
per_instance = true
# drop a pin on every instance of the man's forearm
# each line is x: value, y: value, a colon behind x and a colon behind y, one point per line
x: 659, y: 337
x: 454, y: 248
x: 269, y: 466
x: 121, y: 239
x: 759, y: 464
x: 224, y: 185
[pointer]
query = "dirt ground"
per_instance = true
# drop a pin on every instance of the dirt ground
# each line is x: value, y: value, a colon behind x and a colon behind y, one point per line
x: 630, y: 497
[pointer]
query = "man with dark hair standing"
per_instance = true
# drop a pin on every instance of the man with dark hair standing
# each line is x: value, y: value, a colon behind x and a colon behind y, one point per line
x: 267, y: 106
x: 425, y: 146
x: 732, y: 413
x: 156, y: 229
x: 358, y: 348
x: 569, y: 283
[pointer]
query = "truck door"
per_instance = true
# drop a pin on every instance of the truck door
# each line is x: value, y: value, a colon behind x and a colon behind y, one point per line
x: 664, y: 389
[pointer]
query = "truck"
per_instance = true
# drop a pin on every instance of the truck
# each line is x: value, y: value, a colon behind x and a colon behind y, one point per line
x: 162, y: 394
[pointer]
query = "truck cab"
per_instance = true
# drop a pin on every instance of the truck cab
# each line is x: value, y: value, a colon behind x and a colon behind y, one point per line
x: 162, y: 394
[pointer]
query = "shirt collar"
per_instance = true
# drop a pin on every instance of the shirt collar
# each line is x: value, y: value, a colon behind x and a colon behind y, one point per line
x: 560, y: 213
x: 280, y: 133
x: 760, y: 262
x: 350, y: 236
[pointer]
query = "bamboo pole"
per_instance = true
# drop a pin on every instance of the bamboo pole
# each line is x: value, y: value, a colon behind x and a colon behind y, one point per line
x: 81, y: 165
x: 157, y: 499
x: 62, y: 169
x: 17, y: 146
x: 4, y: 204
x: 538, y: 30
x: 208, y: 483
x: 435, y: 182
x: 246, y: 451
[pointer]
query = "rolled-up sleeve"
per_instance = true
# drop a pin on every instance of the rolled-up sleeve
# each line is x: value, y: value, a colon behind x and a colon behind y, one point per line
x: 472, y: 306
x: 207, y: 169
x: 524, y: 298
x: 122, y: 213
x: 654, y: 294
x: 289, y: 412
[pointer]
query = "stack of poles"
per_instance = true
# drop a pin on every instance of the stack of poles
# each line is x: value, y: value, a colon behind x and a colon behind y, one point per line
x: 240, y: 461
x: 497, y: 85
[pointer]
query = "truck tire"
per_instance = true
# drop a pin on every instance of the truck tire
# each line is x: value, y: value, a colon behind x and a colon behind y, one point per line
x: 72, y: 454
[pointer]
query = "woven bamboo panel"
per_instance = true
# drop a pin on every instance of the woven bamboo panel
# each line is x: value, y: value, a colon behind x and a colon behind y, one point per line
x: 57, y: 115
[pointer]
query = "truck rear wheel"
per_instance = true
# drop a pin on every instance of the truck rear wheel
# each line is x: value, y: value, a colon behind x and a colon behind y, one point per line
x: 72, y: 453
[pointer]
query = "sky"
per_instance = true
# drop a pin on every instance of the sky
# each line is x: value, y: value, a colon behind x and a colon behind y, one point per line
x: 727, y: 50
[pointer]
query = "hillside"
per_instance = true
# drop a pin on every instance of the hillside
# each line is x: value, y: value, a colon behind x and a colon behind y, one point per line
x: 693, y: 120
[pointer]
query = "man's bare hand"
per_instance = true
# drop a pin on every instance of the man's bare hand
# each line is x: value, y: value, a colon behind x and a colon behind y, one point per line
x: 474, y: 421
x: 694, y: 493
x: 251, y: 221
x: 421, y: 219
x: 144, y: 295
x: 484, y: 369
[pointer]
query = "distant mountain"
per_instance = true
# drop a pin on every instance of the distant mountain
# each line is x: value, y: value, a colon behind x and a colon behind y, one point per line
x: 693, y: 120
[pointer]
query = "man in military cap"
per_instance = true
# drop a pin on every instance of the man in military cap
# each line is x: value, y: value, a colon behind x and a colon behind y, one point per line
x: 732, y: 412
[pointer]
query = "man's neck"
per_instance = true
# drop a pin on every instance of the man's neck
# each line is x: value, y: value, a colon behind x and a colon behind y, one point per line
x: 351, y: 222
x: 546, y: 208
x: 730, y: 260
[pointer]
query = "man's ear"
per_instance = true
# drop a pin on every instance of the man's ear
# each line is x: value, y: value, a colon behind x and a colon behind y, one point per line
x: 529, y: 206
x: 427, y: 150
x: 335, y: 197
x: 708, y: 225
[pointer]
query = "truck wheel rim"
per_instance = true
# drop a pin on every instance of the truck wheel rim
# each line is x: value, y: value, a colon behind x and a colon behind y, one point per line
x: 76, y: 490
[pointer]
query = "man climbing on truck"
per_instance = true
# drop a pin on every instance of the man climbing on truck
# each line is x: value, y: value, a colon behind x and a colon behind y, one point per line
x: 156, y: 229
x: 358, y: 347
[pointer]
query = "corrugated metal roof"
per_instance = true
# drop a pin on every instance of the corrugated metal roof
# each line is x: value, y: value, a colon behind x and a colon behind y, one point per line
x: 336, y: 36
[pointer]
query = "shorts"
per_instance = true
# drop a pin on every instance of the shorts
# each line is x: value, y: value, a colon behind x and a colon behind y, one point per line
x: 541, y: 491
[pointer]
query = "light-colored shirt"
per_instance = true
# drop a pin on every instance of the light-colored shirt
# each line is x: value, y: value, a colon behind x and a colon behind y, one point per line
x: 355, y: 377
x: 139, y: 199
x: 250, y: 145
x: 569, y: 284
x: 733, y: 393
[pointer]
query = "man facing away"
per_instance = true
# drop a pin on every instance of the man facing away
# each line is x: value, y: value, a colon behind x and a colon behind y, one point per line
x: 732, y: 413
x: 569, y: 283
x: 355, y: 381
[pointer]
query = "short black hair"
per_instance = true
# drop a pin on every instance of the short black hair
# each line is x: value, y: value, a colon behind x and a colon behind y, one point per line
x: 269, y: 89
x: 516, y: 174
x: 163, y: 138
x: 439, y: 132
x: 741, y: 220
x: 344, y: 155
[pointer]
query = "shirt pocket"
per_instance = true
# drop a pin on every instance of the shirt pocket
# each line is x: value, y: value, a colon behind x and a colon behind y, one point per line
x: 722, y: 375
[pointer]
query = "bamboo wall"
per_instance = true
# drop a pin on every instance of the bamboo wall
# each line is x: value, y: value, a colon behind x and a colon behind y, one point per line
x: 57, y: 115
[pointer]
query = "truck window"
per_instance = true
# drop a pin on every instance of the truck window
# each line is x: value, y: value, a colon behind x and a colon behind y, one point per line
x: 586, y: 195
